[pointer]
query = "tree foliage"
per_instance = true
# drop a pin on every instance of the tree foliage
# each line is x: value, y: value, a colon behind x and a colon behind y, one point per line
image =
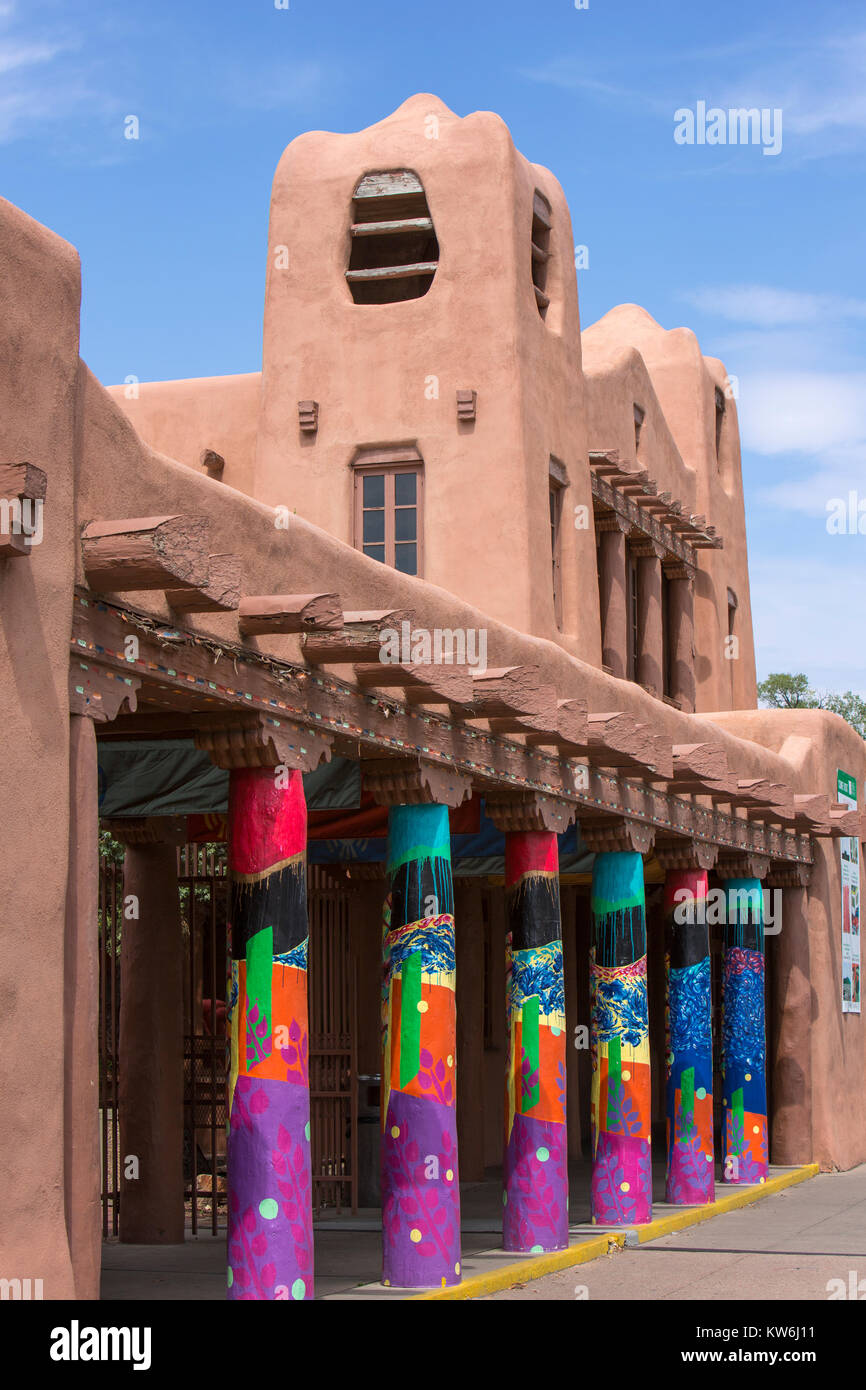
x: 782, y: 690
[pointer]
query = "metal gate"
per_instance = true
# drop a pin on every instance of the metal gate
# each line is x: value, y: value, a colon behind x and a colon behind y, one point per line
x: 203, y: 889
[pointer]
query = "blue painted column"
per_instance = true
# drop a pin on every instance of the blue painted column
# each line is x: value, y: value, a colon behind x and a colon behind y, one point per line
x: 744, y: 1103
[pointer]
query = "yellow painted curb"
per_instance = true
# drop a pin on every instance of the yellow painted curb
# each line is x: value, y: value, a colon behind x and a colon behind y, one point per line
x: 521, y: 1271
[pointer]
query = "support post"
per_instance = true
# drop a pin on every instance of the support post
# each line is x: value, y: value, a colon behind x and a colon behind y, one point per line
x: 681, y: 638
x: 650, y: 629
x: 619, y: 1036
x: 535, y: 1165
x: 150, y: 1086
x: 613, y: 595
x: 270, y: 1225
x: 744, y: 1103
x: 690, y: 1177
x: 420, y: 1183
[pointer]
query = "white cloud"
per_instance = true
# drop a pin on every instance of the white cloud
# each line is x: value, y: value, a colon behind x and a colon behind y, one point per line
x: 802, y: 612
x: 802, y: 412
x: 22, y: 55
x: 768, y: 307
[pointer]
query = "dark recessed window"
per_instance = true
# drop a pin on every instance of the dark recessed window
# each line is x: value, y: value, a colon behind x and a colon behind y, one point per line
x: 638, y: 421
x: 541, y: 225
x: 394, y: 248
x: 732, y: 611
x: 388, y: 507
x: 720, y: 418
x: 555, y: 498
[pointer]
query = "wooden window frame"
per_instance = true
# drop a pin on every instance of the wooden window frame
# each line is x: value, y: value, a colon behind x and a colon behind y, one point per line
x: 389, y: 463
x: 555, y: 494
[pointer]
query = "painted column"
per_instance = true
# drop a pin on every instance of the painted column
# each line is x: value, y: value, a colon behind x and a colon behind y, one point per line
x: 420, y: 1185
x: 270, y: 1224
x: 689, y: 1029
x: 613, y: 596
x: 681, y: 640
x: 619, y: 1037
x: 535, y: 1164
x: 744, y: 1103
x: 650, y: 631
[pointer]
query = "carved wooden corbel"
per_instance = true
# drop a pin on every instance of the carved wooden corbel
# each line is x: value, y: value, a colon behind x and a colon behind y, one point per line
x: 414, y: 782
x: 615, y: 834
x: 743, y: 866
x: 686, y: 853
x: 262, y: 741
x: 513, y: 810
x: 783, y: 875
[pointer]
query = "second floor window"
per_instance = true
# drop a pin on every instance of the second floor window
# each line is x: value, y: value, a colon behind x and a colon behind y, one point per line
x: 388, y: 501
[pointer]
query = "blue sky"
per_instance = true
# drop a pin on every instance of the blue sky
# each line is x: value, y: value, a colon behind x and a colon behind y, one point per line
x: 761, y: 254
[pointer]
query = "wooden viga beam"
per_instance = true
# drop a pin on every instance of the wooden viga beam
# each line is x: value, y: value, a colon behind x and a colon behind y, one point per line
x: 845, y: 821
x: 571, y: 736
x: 432, y: 683
x: 812, y: 812
x: 149, y: 552
x: 22, y: 495
x: 699, y: 768
x: 290, y: 613
x: 781, y: 808
x: 362, y: 638
x: 617, y: 740
x: 221, y: 594
x: 505, y: 691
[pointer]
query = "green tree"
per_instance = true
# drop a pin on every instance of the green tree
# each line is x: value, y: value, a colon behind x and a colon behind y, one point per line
x: 784, y: 691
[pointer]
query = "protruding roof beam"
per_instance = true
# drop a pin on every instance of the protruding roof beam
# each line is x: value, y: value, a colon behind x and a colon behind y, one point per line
x: 150, y: 552
x: 362, y: 638
x: 436, y: 683
x: 221, y: 594
x: 510, y: 690
x: 290, y: 613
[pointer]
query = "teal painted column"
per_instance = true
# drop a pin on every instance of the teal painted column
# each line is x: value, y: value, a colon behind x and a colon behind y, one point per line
x: 420, y: 1181
x: 619, y: 1033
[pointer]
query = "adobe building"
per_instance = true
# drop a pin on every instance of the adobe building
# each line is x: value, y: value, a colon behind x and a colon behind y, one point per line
x: 450, y: 569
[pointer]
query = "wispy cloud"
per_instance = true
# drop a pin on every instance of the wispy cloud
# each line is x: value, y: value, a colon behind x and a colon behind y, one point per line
x: 817, y: 83
x: 769, y: 307
x: 282, y: 84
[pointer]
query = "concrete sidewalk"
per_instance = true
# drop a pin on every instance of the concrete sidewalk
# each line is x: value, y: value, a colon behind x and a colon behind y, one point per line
x: 348, y: 1249
x: 788, y: 1246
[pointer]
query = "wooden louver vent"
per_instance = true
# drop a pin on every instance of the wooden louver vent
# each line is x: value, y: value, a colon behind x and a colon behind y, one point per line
x: 541, y: 223
x: 394, y: 248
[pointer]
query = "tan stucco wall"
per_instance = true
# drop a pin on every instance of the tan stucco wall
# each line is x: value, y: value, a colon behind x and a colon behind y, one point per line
x: 831, y: 1051
x: 39, y: 351
x: 185, y: 418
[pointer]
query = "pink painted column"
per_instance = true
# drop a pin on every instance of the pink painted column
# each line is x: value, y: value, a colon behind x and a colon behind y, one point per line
x: 270, y: 1225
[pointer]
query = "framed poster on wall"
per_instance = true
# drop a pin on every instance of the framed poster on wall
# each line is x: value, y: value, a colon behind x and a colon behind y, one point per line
x: 846, y: 791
